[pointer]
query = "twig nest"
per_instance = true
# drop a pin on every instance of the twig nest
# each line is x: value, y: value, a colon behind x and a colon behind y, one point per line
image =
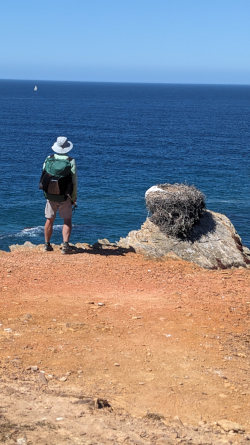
x: 175, y: 208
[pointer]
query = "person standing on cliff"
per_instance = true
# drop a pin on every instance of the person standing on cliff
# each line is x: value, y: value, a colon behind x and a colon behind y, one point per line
x: 59, y: 183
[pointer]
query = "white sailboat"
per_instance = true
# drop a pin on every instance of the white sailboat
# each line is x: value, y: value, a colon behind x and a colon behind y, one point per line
x: 35, y: 88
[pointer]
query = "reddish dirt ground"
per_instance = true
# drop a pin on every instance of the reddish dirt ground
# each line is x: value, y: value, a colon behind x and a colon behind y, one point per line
x: 164, y: 340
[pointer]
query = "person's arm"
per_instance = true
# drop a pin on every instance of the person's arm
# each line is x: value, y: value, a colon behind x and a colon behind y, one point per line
x: 41, y: 177
x: 74, y: 179
x: 45, y: 163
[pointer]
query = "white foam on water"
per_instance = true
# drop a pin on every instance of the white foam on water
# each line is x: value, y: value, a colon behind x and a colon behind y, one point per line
x: 34, y: 231
x: 30, y: 232
x: 226, y: 201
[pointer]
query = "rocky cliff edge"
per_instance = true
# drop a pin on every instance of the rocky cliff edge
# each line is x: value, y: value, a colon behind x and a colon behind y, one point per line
x: 213, y: 243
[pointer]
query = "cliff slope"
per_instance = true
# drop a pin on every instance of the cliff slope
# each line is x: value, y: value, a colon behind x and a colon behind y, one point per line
x: 164, y: 343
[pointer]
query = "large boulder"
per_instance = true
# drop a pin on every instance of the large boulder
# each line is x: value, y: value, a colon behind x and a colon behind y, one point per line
x: 213, y: 243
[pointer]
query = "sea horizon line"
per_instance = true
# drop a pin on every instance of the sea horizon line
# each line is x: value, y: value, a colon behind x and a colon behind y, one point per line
x: 118, y: 82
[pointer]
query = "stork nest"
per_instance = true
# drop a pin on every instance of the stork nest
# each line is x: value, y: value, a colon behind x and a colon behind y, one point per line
x: 175, y: 208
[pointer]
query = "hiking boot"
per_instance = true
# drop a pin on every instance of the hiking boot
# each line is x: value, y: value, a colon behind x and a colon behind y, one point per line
x: 48, y: 247
x: 66, y: 248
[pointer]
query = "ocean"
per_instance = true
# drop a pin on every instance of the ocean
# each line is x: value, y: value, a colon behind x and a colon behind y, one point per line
x: 127, y: 137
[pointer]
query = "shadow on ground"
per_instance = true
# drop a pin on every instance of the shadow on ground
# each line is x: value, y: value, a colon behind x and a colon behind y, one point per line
x: 100, y: 249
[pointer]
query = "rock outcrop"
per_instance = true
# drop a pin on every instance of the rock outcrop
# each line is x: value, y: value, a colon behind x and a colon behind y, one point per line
x: 213, y: 243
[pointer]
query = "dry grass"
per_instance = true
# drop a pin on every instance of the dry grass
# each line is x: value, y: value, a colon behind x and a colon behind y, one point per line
x: 175, y: 208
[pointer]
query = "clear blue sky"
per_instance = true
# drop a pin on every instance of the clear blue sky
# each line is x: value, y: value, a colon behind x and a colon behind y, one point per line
x: 180, y: 41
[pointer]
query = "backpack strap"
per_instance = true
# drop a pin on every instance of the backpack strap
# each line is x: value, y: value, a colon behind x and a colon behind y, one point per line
x: 69, y: 158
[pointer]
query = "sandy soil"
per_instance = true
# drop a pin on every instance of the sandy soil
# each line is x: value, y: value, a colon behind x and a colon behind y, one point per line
x: 102, y: 347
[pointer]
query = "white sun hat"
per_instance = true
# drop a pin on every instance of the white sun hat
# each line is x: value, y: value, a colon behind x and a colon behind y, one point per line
x: 62, y: 145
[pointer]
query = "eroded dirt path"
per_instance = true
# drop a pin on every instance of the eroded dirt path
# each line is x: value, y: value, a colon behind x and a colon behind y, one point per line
x: 155, y: 339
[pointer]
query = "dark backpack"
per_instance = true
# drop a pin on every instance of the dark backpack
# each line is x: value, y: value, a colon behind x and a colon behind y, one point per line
x: 56, y: 177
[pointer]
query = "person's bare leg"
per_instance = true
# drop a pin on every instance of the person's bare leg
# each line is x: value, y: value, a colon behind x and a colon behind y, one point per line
x: 66, y: 230
x: 48, y: 229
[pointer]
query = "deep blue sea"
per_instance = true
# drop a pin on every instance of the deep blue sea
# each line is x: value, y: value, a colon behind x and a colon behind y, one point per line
x: 127, y: 137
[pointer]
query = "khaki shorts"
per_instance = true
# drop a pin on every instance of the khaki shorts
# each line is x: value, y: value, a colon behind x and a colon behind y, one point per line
x: 64, y: 208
